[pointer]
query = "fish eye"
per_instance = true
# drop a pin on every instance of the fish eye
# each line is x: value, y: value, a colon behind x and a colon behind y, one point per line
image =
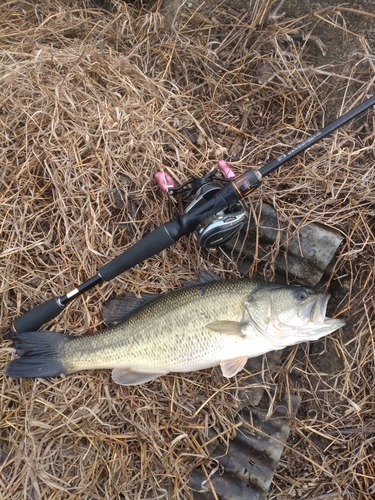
x: 300, y: 294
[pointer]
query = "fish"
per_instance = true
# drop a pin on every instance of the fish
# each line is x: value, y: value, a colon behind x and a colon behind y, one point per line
x: 222, y: 322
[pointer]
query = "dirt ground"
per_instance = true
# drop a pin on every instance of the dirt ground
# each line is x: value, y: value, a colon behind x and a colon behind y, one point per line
x: 95, y: 97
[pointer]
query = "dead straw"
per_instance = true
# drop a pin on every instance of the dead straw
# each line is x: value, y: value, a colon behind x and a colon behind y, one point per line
x: 93, y: 103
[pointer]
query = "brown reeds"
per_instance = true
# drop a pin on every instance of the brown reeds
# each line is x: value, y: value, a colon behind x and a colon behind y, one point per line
x: 93, y: 103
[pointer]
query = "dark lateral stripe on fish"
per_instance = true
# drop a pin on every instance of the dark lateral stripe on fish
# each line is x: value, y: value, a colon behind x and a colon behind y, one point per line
x: 218, y: 323
x: 40, y: 353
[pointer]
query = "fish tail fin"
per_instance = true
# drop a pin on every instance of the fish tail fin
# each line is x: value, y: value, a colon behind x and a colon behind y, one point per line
x: 40, y: 354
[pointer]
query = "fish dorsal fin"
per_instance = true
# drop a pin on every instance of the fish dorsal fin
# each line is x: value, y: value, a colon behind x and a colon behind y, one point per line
x: 118, y: 308
x: 227, y: 327
x: 204, y: 277
x: 124, y: 376
x: 230, y: 367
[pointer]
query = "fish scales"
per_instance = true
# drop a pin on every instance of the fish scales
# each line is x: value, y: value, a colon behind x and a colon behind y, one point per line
x: 167, y: 333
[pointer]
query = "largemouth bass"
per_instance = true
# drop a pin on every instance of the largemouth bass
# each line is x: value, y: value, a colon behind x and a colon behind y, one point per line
x: 223, y: 322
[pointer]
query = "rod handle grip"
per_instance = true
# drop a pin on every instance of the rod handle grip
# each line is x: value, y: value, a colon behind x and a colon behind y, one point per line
x: 37, y: 317
x: 159, y: 239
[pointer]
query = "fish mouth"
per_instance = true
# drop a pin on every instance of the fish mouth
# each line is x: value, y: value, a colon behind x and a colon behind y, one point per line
x: 315, y: 314
x: 312, y: 324
x: 318, y: 309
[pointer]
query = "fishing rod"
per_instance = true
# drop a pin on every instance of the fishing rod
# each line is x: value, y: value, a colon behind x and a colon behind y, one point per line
x: 215, y: 202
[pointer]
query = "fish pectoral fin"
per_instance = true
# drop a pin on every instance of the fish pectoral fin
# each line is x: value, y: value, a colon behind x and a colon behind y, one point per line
x: 230, y: 367
x: 124, y: 376
x: 228, y: 327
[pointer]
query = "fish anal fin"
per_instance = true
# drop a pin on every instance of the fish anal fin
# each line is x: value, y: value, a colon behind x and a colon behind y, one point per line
x: 227, y: 327
x: 230, y: 367
x: 124, y: 376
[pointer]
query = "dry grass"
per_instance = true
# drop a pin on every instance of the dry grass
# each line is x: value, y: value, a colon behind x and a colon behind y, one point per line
x: 93, y: 103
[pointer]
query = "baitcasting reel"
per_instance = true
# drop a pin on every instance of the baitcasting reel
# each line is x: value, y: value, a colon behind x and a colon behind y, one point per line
x: 216, y: 229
